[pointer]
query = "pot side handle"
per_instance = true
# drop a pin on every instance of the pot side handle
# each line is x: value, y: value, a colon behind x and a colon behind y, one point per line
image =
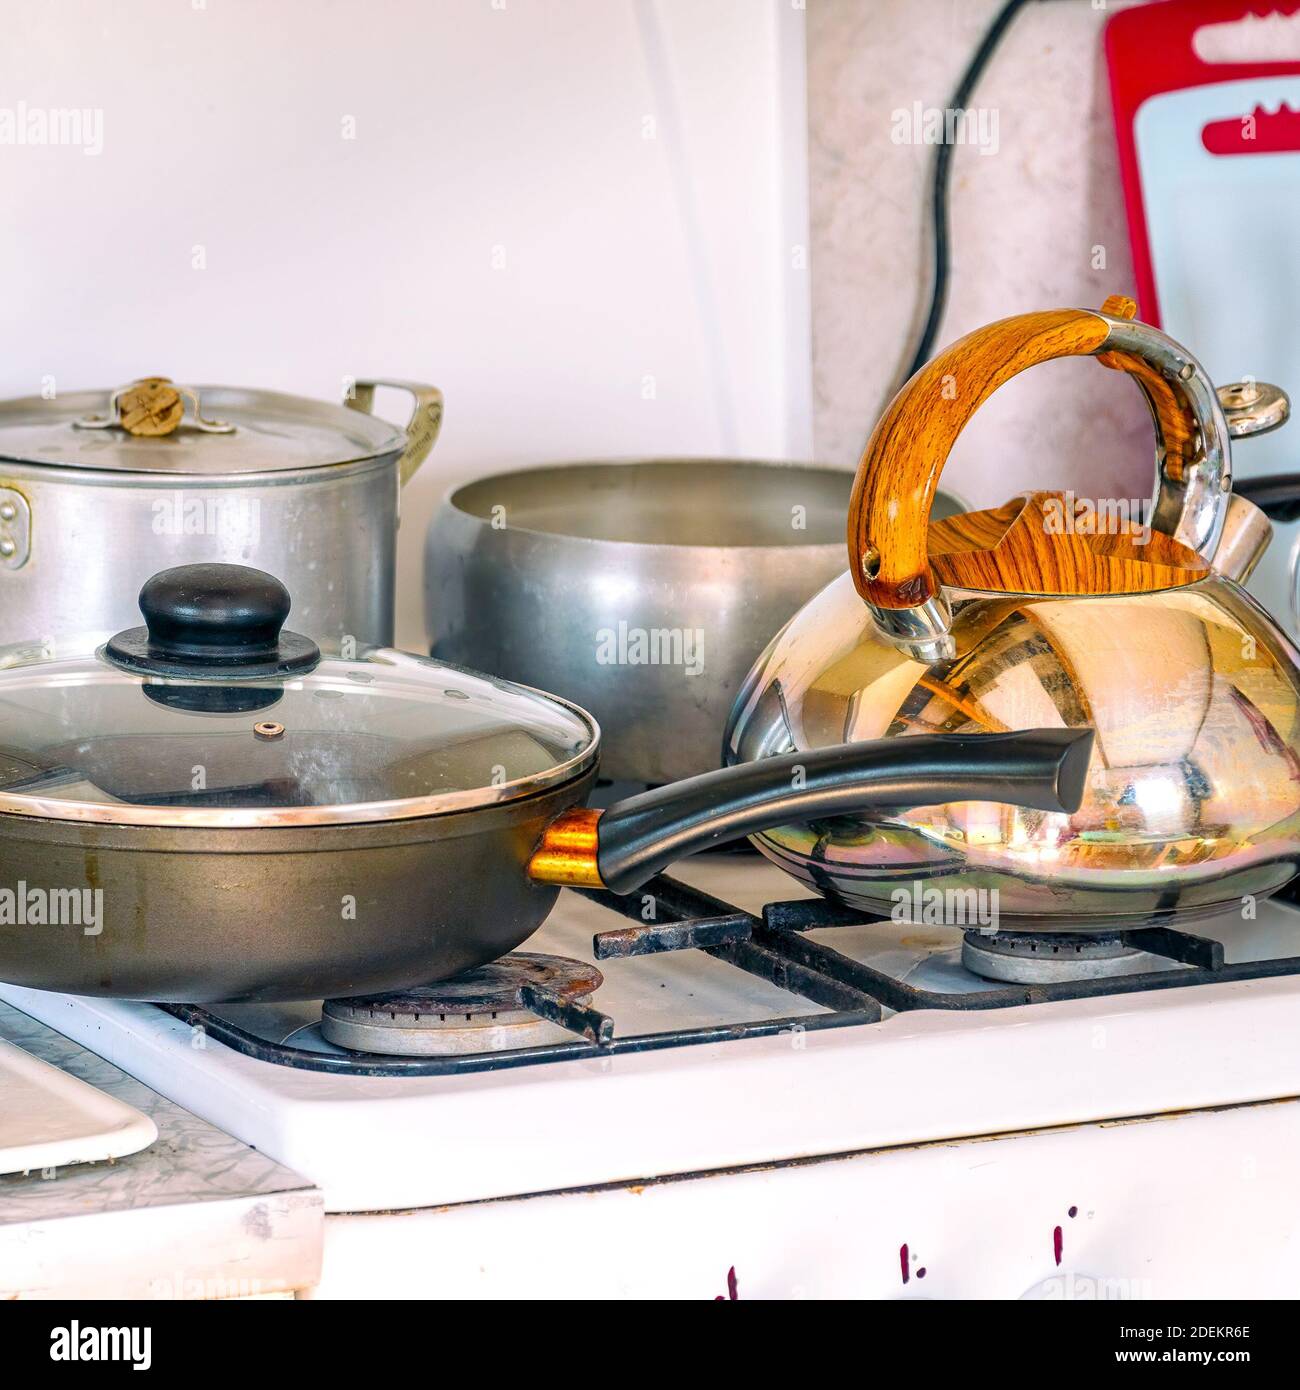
x: 421, y: 429
x: 900, y: 468
x: 623, y: 847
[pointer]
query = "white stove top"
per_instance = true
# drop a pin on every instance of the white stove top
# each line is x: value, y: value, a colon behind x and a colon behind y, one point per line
x: 379, y: 1143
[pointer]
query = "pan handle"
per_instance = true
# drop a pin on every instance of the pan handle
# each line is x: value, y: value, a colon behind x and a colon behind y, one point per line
x: 421, y: 429
x: 1276, y: 495
x: 623, y: 847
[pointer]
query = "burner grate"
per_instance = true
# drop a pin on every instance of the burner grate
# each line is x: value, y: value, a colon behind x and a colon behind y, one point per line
x: 773, y: 947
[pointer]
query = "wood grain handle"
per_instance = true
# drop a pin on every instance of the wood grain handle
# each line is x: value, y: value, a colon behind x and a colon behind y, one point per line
x: 899, y: 471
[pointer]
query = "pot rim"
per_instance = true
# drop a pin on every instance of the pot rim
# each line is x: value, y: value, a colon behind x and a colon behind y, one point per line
x: 452, y: 498
x: 21, y: 474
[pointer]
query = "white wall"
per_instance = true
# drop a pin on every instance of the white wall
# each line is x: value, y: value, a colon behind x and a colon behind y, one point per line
x: 553, y: 209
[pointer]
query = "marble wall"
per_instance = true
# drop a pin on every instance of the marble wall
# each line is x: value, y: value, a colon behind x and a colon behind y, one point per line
x: 1037, y: 222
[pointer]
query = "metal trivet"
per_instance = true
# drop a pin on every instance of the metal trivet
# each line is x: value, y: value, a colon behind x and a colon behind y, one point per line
x: 773, y: 947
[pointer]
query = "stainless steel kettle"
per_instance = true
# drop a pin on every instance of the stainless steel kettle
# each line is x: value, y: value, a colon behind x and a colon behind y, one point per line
x: 1044, y: 612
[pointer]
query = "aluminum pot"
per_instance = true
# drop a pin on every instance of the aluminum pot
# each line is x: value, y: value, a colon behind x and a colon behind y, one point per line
x: 211, y: 807
x: 641, y: 590
x: 98, y: 490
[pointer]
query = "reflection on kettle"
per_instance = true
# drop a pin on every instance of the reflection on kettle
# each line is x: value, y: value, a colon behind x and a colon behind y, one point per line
x: 1001, y: 620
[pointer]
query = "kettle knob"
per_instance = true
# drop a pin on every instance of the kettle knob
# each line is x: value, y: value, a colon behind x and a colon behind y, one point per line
x: 210, y: 621
x: 1252, y: 408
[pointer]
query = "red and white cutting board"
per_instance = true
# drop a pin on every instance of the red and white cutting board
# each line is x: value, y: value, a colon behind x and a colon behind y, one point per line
x: 1206, y: 96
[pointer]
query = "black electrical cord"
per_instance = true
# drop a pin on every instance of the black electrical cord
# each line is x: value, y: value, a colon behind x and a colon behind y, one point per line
x: 943, y: 153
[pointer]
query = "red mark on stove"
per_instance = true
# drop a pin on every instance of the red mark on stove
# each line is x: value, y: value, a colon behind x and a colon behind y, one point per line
x: 1058, y: 1239
x: 731, y: 1295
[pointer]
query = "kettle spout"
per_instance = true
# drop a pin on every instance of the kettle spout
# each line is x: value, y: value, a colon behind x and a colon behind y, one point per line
x: 1247, y: 533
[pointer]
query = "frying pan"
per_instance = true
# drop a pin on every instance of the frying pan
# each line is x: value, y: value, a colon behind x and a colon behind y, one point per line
x: 262, y: 821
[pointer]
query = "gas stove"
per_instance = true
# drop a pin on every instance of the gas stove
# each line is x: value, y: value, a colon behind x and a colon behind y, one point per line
x: 526, y: 1009
x: 717, y: 1025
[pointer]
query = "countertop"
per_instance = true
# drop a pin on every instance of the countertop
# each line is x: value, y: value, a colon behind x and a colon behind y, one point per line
x: 197, y: 1214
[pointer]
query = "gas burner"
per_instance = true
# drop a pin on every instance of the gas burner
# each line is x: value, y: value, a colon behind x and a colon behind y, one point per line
x: 516, y: 1001
x: 1042, y: 958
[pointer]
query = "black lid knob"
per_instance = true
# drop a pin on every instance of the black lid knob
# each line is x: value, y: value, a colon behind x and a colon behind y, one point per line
x: 212, y: 620
x: 213, y: 610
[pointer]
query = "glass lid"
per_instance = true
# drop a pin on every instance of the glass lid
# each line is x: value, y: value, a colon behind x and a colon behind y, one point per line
x: 211, y: 715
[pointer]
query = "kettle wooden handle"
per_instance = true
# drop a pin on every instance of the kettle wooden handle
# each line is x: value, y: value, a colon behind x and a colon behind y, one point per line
x: 899, y: 472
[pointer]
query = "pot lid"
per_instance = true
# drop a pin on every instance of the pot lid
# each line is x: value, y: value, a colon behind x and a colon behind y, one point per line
x: 154, y: 426
x: 212, y: 715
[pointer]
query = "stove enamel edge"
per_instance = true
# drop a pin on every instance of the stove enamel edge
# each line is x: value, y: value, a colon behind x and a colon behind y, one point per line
x: 1199, y: 1205
x: 379, y: 1144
